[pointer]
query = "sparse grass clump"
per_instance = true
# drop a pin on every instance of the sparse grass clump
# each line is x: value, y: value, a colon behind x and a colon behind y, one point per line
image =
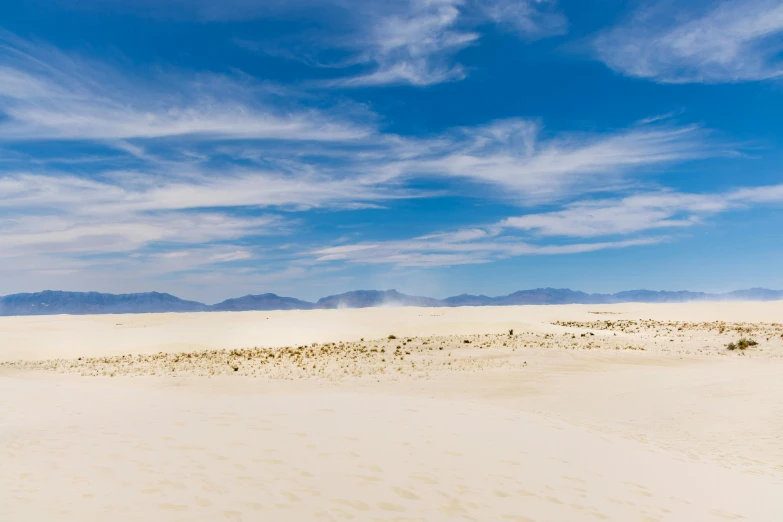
x: 743, y: 344
x: 392, y: 337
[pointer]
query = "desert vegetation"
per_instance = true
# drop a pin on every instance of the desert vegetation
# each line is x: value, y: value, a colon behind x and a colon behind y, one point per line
x: 423, y: 357
x: 743, y: 344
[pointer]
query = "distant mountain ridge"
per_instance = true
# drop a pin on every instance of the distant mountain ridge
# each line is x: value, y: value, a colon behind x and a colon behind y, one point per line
x: 52, y: 302
x: 372, y: 298
x: 261, y: 302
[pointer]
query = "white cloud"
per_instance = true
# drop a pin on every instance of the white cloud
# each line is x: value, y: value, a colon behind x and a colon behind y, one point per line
x: 615, y: 217
x: 66, y: 214
x: 71, y: 234
x: 768, y: 194
x: 411, y: 42
x: 516, y: 159
x: 45, y: 94
x: 181, y: 204
x: 728, y: 41
x: 512, y: 154
x: 237, y: 255
x: 531, y: 19
x: 437, y: 251
x: 145, y: 193
x: 414, y: 45
x: 640, y: 212
x: 630, y: 216
x: 69, y: 98
x: 416, y: 42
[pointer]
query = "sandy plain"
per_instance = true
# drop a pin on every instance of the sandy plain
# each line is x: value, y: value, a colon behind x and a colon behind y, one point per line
x: 630, y: 412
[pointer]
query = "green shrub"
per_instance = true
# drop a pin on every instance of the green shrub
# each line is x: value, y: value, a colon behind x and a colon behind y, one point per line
x: 743, y: 344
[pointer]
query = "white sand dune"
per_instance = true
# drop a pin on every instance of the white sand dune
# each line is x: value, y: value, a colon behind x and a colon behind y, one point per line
x: 44, y: 337
x: 541, y: 426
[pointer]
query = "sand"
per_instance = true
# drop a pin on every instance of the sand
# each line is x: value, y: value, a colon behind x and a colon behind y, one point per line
x: 623, y: 412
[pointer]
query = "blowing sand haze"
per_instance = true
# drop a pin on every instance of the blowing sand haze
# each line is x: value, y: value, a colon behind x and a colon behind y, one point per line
x: 617, y: 412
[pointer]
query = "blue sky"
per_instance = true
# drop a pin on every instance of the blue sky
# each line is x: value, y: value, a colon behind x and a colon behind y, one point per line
x: 214, y: 149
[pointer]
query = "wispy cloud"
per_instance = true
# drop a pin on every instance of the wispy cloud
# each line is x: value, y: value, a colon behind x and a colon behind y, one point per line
x: 407, y: 42
x: 439, y: 251
x: 65, y: 214
x: 638, y: 213
x: 52, y: 96
x: 413, y: 45
x: 65, y: 235
x: 185, y: 192
x: 531, y: 19
x: 632, y: 214
x: 518, y: 160
x: 416, y: 42
x: 236, y: 255
x: 727, y: 41
x: 533, y: 167
x: 136, y: 192
x: 193, y: 174
x: 620, y: 223
x: 46, y: 94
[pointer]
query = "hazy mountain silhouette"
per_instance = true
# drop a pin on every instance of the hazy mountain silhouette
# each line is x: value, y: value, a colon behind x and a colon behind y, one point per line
x: 78, y: 303
x: 261, y: 302
x: 469, y: 300
x: 551, y: 296
x: 650, y: 296
x: 754, y: 294
x: 370, y: 298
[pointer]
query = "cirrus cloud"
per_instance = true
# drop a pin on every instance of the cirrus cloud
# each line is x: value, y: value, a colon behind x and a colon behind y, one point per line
x: 728, y: 41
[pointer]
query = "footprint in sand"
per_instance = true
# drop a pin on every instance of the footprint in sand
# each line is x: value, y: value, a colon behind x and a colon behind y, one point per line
x: 404, y: 493
x: 355, y: 504
x: 387, y: 506
x: 173, y: 507
x: 292, y: 498
x: 425, y: 479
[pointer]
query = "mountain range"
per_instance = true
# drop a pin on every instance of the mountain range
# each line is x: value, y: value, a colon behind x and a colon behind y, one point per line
x: 78, y: 303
